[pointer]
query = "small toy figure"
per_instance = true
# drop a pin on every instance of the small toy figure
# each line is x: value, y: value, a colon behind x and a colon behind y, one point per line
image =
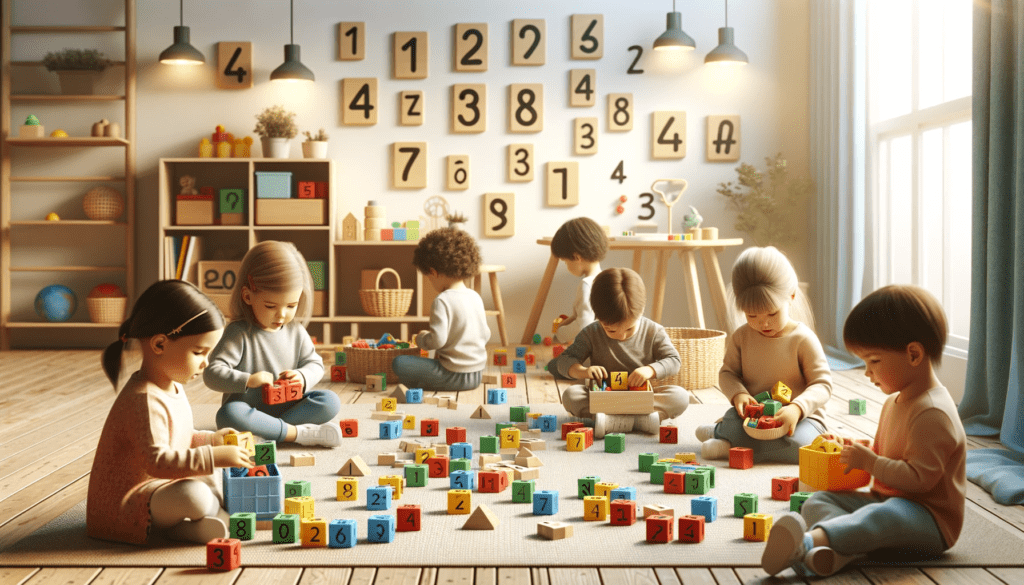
x: 188, y: 185
x: 693, y: 219
x: 205, y: 148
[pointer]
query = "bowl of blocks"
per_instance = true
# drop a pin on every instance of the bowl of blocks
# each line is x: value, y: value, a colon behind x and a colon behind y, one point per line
x: 759, y: 419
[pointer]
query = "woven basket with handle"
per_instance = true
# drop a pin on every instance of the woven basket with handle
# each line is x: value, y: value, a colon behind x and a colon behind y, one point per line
x: 386, y: 302
x: 702, y: 352
x: 363, y: 361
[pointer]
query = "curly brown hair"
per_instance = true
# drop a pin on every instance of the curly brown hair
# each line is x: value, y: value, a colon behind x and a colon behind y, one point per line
x: 450, y: 251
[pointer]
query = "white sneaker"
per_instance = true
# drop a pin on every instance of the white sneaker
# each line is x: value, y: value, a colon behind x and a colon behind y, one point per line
x: 785, y: 546
x: 705, y: 432
x: 612, y: 423
x: 715, y: 449
x: 325, y: 435
x: 647, y: 423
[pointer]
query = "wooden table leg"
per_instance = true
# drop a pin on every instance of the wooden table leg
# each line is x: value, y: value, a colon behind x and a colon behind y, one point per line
x: 500, y: 307
x: 717, y: 286
x: 661, y: 277
x: 692, y: 287
x: 637, y: 256
x: 538, y: 301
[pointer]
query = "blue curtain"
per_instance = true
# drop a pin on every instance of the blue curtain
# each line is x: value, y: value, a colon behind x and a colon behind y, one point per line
x: 992, y: 402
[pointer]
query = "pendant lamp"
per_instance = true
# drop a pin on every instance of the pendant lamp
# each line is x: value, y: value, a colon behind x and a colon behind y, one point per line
x: 726, y: 51
x: 182, y: 52
x: 292, y: 69
x: 674, y: 38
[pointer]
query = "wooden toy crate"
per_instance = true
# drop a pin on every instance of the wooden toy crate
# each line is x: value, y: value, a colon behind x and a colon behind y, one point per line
x: 702, y: 352
x: 823, y: 471
x: 364, y: 361
x: 622, y: 401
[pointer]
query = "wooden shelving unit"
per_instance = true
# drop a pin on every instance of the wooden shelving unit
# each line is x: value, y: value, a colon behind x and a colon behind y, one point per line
x: 66, y: 233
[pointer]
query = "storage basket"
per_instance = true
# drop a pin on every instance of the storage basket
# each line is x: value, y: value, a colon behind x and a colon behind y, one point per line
x: 387, y: 302
x: 701, y: 352
x: 106, y: 309
x: 363, y: 361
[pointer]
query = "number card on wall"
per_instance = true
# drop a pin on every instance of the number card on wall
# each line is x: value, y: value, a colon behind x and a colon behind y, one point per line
x: 218, y: 276
x: 525, y: 107
x: 409, y: 55
x: 529, y: 41
x: 409, y: 165
x: 458, y: 172
x: 410, y: 108
x: 584, y: 136
x: 620, y: 112
x: 723, y: 138
x: 520, y: 163
x: 469, y: 108
x: 587, y: 36
x: 234, y: 65
x: 563, y: 184
x: 351, y: 41
x: 668, y: 135
x: 582, y: 87
x: 499, y: 215
x: 359, y: 101
x: 470, y: 47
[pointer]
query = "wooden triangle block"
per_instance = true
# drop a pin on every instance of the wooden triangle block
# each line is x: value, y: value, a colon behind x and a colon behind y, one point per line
x: 480, y: 412
x: 524, y: 452
x: 355, y: 467
x: 399, y: 393
x: 481, y: 519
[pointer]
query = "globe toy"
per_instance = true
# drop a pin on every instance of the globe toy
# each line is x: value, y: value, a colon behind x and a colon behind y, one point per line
x: 56, y: 303
x: 106, y: 303
x: 103, y: 203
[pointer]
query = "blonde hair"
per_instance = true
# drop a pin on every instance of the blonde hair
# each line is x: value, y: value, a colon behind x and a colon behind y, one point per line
x: 275, y: 266
x: 763, y: 280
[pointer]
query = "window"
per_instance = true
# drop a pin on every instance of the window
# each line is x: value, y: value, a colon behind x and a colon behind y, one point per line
x: 919, y: 141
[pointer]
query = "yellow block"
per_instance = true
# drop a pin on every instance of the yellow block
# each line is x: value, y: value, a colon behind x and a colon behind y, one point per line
x: 409, y: 422
x: 423, y: 453
x: 619, y: 380
x: 595, y: 508
x: 510, y: 438
x: 389, y: 404
x: 686, y: 457
x: 348, y: 489
x: 782, y: 393
x: 757, y: 526
x: 314, y: 532
x: 604, y: 489
x: 300, y: 505
x: 575, y: 441
x: 396, y: 482
x: 243, y: 440
x: 823, y: 471
x: 826, y: 444
x: 459, y: 501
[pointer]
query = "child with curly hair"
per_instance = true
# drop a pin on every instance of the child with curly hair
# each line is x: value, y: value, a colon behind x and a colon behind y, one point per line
x: 458, y: 324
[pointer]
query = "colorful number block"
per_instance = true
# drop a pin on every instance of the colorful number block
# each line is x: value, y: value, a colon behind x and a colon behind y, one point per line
x: 658, y: 470
x: 380, y: 528
x: 756, y: 527
x: 698, y: 482
x: 595, y: 509
x: 390, y: 429
x: 459, y: 501
x: 576, y: 441
x: 691, y: 528
x: 531, y: 359
x: 741, y: 458
x: 522, y: 490
x: 668, y: 434
x: 414, y: 396
x: 771, y: 407
x: 454, y: 435
x: 314, y: 532
x: 753, y: 411
x: 223, y: 554
x: 604, y: 489
x: 409, y: 518
x: 796, y: 501
x: 378, y: 498
x: 462, y: 480
x: 461, y: 450
x: 297, y: 488
x: 349, y: 428
x: 619, y: 380
x: 744, y: 504
x: 299, y: 505
x: 409, y: 423
x: 705, y: 506
x: 340, y: 358
x: 459, y: 464
x: 489, y: 444
x: 518, y: 413
x: 510, y: 437
x: 858, y: 406
x: 545, y: 502
x: 615, y: 443
x: 266, y: 453
x: 348, y: 489
x: 645, y: 460
x: 416, y: 475
x: 710, y: 469
x: 762, y: 396
x: 429, y: 427
x: 341, y: 533
x: 547, y: 423
x: 242, y: 525
x: 570, y: 427
x: 286, y: 528
x: 395, y: 482
x: 339, y: 373
x: 556, y: 350
x: 437, y: 466
x: 497, y: 396
x: 258, y: 471
x: 674, y: 482
x: 784, y: 487
x: 623, y: 493
x: 622, y: 512
x: 519, y: 366
x: 491, y: 481
x: 508, y: 380
x: 243, y: 440
x: 500, y: 358
x: 659, y: 528
x: 389, y: 404
x: 782, y: 393
x: 587, y: 486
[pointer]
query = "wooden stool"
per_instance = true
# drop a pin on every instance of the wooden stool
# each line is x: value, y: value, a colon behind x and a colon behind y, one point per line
x: 499, y: 308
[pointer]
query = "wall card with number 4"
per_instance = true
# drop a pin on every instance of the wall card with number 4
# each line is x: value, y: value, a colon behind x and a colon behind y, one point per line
x: 234, y: 65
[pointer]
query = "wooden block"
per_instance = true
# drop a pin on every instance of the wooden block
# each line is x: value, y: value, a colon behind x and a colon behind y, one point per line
x: 520, y: 162
x: 691, y: 528
x: 659, y: 528
x: 429, y: 427
x: 622, y: 402
x: 469, y: 108
x: 562, y: 184
x: 389, y: 404
x: 756, y: 527
x: 410, y: 108
x: 587, y: 40
x: 378, y: 498
x: 314, y: 532
x: 525, y: 107
x: 351, y: 41
x: 508, y: 380
x: 784, y: 487
x: 820, y: 470
x: 242, y: 525
x: 576, y: 441
x: 223, y: 554
x: 409, y: 165
x: 723, y: 143
x: 619, y: 380
x: 857, y: 406
x: 529, y: 41
x: 243, y: 440
x: 375, y: 382
x: 348, y: 489
x: 620, y: 112
x: 302, y: 460
x: 668, y: 434
x: 354, y: 467
x: 458, y: 172
x: 396, y: 482
x: 583, y: 88
x: 668, y: 135
x: 409, y: 518
x: 674, y: 482
x: 193, y: 212
x: 218, y: 276
x: 622, y: 513
x: 471, y: 42
x: 388, y: 416
x: 459, y: 501
x: 339, y: 373
x: 266, y: 453
x: 286, y: 528
x: 741, y: 458
x: 349, y: 427
x: 342, y: 533
x: 302, y: 506
x: 291, y: 212
x: 595, y: 508
x: 480, y: 412
x: 234, y: 65
x: 380, y: 528
x: 359, y: 105
x: 534, y: 444
x: 424, y: 453
x: 481, y: 519
x: 584, y: 136
x: 509, y: 438
x: 656, y: 510
x: 499, y: 215
x: 604, y: 488
x: 410, y: 52
x: 744, y: 504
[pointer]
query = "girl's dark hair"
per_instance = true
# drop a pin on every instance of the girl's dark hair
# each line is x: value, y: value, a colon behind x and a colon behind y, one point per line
x: 450, y: 251
x: 618, y: 295
x: 895, y: 316
x: 580, y: 236
x: 174, y: 308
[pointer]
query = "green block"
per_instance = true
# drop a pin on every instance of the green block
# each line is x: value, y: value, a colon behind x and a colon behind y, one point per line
x: 286, y: 528
x: 537, y: 338
x: 522, y: 490
x: 697, y: 482
x: 646, y: 459
x: 412, y: 234
x: 585, y: 486
x: 711, y: 471
x: 266, y: 453
x: 231, y: 201
x: 488, y: 444
x: 243, y: 525
x: 762, y: 397
x: 858, y: 406
x: 412, y: 224
x: 416, y: 475
x: 771, y: 407
x: 402, y: 345
x: 614, y: 442
x: 297, y: 488
x: 340, y: 358
x: 318, y: 270
x: 518, y: 413
x: 796, y: 501
x: 658, y: 470
x: 502, y: 425
x: 460, y: 465
x: 744, y: 504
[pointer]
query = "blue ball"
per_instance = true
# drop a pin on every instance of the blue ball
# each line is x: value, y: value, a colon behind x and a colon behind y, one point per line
x: 56, y: 303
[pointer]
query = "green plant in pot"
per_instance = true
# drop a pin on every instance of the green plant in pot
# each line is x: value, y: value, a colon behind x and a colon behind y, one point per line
x: 276, y: 127
x: 315, y: 145
x: 770, y: 204
x: 76, y: 69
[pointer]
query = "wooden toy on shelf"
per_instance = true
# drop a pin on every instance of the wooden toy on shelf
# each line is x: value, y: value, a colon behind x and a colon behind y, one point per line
x: 32, y: 128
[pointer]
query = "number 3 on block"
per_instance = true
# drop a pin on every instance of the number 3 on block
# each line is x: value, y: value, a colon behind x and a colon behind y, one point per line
x: 563, y: 184
x: 409, y: 165
x: 499, y: 215
x: 668, y: 135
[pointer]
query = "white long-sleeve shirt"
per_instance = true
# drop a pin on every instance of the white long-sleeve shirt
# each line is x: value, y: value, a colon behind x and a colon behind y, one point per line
x: 458, y: 331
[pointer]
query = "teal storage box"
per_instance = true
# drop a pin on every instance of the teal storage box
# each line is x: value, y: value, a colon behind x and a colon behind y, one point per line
x: 273, y: 185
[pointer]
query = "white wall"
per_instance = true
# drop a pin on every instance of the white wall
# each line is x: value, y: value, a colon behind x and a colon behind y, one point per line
x: 179, y: 105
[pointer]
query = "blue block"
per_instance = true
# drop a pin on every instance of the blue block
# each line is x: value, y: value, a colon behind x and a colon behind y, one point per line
x: 519, y: 366
x: 706, y: 506
x: 380, y: 528
x: 545, y: 502
x: 390, y: 429
x: 261, y: 495
x: 623, y: 493
x: 414, y: 396
x: 521, y: 351
x: 273, y: 185
x: 462, y: 480
x: 378, y: 497
x: 399, y: 234
x: 343, y: 533
x: 683, y: 468
x: 461, y: 451
x: 548, y: 423
x: 497, y: 396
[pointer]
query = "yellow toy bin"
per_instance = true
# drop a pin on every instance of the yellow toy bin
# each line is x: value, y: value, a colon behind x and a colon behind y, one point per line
x: 823, y: 471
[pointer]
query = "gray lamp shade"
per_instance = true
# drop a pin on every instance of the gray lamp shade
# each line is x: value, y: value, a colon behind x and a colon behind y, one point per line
x: 292, y: 69
x: 182, y: 52
x: 726, y: 51
x: 674, y: 37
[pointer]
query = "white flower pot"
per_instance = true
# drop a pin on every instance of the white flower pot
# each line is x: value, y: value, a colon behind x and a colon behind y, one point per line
x: 276, y: 147
x: 314, y: 149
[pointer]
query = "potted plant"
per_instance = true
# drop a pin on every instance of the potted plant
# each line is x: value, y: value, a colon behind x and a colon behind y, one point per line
x: 315, y: 145
x: 76, y: 69
x: 769, y: 203
x: 276, y: 128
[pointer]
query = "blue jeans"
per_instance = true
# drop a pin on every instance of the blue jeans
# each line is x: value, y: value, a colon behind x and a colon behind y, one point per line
x: 781, y: 450
x: 271, y: 421
x: 429, y: 374
x: 858, y: 523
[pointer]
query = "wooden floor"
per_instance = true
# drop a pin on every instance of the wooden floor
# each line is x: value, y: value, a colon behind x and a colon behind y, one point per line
x: 53, y: 405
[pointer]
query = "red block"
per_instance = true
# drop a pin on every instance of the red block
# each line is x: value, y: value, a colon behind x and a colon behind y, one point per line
x: 282, y: 391
x: 691, y: 528
x: 570, y: 427
x: 668, y: 434
x: 387, y: 234
x: 741, y: 458
x: 258, y: 471
x: 531, y: 359
x: 768, y: 422
x: 206, y: 192
x: 223, y: 554
x: 349, y: 427
x: 557, y: 350
x: 508, y: 380
x: 408, y: 518
x: 339, y: 373
x: 437, y: 466
x: 321, y: 189
x: 659, y: 528
x: 622, y: 513
x: 754, y: 411
x: 548, y: 341
x: 307, y: 190
x: 429, y: 427
x: 783, y: 487
x: 491, y: 481
x: 500, y: 359
x: 455, y: 435
x: 675, y: 482
x: 273, y: 394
